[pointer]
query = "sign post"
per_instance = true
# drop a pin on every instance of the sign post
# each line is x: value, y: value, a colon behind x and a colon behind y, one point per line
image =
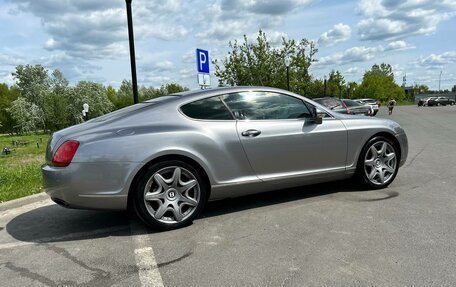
x: 202, y: 62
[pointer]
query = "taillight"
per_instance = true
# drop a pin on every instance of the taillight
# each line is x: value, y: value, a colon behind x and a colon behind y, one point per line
x: 65, y: 153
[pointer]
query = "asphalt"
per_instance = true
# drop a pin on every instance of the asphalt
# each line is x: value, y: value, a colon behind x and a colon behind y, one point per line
x: 332, y: 234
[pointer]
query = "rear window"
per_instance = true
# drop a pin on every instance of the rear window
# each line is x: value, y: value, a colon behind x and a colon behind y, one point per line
x: 330, y: 103
x: 207, y: 109
x: 351, y: 103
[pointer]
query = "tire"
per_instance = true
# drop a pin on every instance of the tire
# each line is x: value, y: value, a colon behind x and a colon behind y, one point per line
x: 169, y: 195
x: 378, y: 163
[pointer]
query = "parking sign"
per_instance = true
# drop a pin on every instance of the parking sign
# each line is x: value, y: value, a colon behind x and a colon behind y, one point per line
x: 202, y: 60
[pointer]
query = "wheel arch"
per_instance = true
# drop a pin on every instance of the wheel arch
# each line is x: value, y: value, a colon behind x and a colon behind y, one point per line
x: 161, y: 158
x: 384, y: 134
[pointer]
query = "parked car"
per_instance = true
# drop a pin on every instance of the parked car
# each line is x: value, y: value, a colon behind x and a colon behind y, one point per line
x: 424, y: 102
x: 340, y: 106
x: 357, y: 108
x: 440, y: 101
x: 371, y: 102
x: 166, y: 157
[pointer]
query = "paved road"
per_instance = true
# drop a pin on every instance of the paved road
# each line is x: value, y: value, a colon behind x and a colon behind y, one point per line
x: 322, y: 235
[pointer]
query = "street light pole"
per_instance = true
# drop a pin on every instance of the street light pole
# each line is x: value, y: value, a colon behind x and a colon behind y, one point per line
x: 287, y: 64
x: 324, y: 89
x: 440, y: 78
x: 132, y: 51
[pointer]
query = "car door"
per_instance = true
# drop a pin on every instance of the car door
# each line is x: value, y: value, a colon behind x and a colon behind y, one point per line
x: 281, y: 139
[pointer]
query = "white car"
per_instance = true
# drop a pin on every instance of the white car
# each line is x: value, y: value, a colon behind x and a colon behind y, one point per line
x: 371, y: 102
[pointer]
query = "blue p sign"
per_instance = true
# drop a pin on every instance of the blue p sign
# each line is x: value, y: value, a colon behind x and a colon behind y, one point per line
x: 202, y: 59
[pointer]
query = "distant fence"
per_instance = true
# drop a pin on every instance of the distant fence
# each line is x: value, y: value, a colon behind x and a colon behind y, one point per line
x: 422, y: 96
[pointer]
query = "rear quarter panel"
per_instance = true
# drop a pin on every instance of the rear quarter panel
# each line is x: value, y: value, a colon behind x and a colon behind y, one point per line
x: 214, y: 145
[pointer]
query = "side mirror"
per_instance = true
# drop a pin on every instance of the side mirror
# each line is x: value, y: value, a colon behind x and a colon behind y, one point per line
x: 318, y: 116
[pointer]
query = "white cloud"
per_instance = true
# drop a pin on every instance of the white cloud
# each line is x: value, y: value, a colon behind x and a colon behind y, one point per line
x: 438, y: 60
x: 361, y: 54
x: 352, y: 71
x: 10, y: 60
x: 338, y: 33
x: 399, y: 45
x: 391, y: 19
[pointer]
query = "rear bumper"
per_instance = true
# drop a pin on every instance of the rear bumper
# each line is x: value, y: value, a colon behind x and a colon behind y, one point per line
x: 89, y: 186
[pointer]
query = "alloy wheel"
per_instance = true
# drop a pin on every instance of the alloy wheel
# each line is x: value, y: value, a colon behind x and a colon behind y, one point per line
x: 172, y: 194
x: 380, y: 163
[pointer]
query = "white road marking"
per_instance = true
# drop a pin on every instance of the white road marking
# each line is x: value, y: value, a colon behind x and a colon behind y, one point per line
x: 149, y: 275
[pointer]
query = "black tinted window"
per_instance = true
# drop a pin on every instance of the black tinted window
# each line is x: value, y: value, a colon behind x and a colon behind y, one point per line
x: 350, y: 103
x: 330, y: 103
x: 207, y: 109
x: 266, y: 106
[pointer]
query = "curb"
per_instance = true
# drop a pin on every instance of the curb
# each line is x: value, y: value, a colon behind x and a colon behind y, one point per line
x: 23, y: 201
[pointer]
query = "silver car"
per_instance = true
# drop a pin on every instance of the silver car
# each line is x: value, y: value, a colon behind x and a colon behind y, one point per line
x: 166, y: 157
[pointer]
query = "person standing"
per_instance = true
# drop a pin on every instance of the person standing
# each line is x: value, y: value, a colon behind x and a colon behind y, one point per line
x: 391, y: 105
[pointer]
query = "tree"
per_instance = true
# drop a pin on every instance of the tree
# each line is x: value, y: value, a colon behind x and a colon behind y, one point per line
x: 94, y: 95
x: 335, y: 84
x: 260, y: 64
x: 384, y: 70
x: 378, y: 83
x: 25, y: 114
x: 56, y: 102
x: 124, y: 95
x: 32, y: 82
x: 420, y: 89
x: 151, y: 93
x: 350, y: 90
x: 316, y: 89
x: 7, y: 96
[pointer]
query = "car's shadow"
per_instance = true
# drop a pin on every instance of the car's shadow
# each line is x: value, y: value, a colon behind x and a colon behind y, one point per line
x: 53, y: 223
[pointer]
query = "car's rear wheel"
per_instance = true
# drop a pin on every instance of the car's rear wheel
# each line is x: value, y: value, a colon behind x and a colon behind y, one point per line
x: 378, y: 163
x: 169, y: 195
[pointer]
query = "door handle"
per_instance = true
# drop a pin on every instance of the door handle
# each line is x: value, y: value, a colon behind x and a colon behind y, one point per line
x: 250, y: 133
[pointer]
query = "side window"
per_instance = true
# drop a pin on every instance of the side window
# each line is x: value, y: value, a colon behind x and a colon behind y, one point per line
x: 266, y: 106
x: 207, y: 109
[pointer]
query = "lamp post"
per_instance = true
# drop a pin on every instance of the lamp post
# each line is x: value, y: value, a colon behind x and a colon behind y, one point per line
x: 324, y: 87
x: 287, y: 64
x: 85, y: 111
x: 132, y: 51
x: 440, y: 79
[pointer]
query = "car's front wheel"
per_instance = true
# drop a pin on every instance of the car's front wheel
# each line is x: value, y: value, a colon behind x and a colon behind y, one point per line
x: 378, y: 163
x: 169, y: 195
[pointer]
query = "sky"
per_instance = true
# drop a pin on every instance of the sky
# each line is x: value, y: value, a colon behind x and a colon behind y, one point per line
x: 88, y: 39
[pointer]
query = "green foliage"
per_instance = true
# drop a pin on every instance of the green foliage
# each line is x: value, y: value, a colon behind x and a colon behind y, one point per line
x: 20, y: 173
x: 94, y: 94
x: 261, y: 64
x: 56, y: 102
x: 25, y: 114
x: 316, y: 89
x: 7, y: 96
x: 378, y: 83
x: 124, y: 96
x: 421, y: 89
x: 335, y: 85
x: 32, y: 82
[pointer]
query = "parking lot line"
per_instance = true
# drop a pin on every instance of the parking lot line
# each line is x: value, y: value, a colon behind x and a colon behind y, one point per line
x: 149, y: 275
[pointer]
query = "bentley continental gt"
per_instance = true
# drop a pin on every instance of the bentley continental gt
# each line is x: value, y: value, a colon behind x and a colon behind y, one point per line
x: 167, y: 157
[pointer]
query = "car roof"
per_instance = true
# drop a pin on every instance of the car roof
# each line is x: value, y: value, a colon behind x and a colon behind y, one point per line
x: 194, y: 95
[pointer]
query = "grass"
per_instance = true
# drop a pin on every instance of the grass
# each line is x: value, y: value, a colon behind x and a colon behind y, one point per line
x: 20, y: 173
